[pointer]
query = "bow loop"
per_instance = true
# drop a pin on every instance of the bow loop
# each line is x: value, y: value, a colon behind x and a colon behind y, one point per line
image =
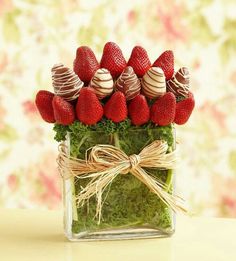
x: 106, y: 154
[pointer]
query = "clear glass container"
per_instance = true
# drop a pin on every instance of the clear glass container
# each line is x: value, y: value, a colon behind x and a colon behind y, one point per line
x: 130, y: 209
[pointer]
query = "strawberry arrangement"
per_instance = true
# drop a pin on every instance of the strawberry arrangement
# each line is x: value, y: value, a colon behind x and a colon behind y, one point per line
x: 117, y: 90
x: 122, y: 104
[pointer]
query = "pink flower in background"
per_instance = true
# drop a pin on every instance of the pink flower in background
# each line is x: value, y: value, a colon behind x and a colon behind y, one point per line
x: 226, y: 197
x: 13, y: 182
x: 5, y: 6
x: 29, y: 107
x: 44, y: 186
x: 49, y: 179
x: 171, y: 17
x: 37, y: 184
x: 51, y: 193
x: 132, y: 17
x: 229, y: 205
x: 30, y: 111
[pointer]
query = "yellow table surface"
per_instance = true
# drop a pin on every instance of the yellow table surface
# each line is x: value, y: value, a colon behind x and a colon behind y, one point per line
x: 38, y: 235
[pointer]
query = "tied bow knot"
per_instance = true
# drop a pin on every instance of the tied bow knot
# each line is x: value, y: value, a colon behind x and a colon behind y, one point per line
x: 134, y: 161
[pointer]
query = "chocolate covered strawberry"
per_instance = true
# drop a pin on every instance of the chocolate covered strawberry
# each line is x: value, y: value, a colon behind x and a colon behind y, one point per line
x: 163, y: 110
x: 139, y: 61
x: 88, y: 108
x: 43, y: 103
x: 116, y: 109
x: 139, y: 111
x: 63, y: 111
x: 184, y: 110
x: 113, y: 59
x: 85, y: 64
x: 166, y: 62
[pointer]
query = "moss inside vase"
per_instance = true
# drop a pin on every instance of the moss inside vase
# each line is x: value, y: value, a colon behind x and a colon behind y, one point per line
x: 128, y: 202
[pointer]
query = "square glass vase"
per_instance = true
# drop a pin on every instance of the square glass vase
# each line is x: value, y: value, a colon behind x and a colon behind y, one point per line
x: 130, y: 210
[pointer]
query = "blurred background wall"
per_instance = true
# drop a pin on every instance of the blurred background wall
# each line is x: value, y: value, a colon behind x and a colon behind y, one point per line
x: 37, y: 34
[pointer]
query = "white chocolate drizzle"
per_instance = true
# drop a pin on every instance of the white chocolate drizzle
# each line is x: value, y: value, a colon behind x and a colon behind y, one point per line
x: 153, y: 83
x: 102, y: 83
x: 128, y: 83
x: 179, y: 83
x: 65, y: 82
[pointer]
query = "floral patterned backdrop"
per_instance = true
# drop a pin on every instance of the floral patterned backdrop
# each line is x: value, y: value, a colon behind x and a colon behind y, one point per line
x: 36, y: 34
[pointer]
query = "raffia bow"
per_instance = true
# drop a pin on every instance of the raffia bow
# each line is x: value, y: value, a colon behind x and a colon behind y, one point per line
x: 103, y: 163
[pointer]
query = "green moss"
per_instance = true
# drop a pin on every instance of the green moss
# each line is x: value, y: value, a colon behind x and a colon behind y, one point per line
x: 60, y: 132
x: 128, y: 201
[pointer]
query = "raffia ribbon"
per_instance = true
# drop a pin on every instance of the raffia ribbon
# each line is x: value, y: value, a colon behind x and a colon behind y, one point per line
x: 103, y: 163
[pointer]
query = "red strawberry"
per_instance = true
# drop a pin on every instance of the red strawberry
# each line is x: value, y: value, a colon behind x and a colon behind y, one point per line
x: 113, y: 59
x: 88, y: 108
x: 184, y: 109
x: 163, y: 110
x: 166, y: 62
x: 116, y: 109
x: 139, y: 61
x: 63, y: 111
x: 85, y: 64
x: 139, y: 111
x: 43, y: 102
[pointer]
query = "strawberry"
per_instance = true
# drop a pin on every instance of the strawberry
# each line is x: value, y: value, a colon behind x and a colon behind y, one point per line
x: 139, y: 111
x: 113, y: 59
x: 163, y: 110
x: 184, y: 109
x: 85, y: 64
x: 43, y: 102
x: 63, y: 111
x: 116, y: 109
x: 166, y: 62
x: 88, y: 108
x: 139, y: 61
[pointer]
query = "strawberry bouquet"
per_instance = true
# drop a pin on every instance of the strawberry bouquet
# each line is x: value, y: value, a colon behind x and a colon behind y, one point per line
x: 115, y: 124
